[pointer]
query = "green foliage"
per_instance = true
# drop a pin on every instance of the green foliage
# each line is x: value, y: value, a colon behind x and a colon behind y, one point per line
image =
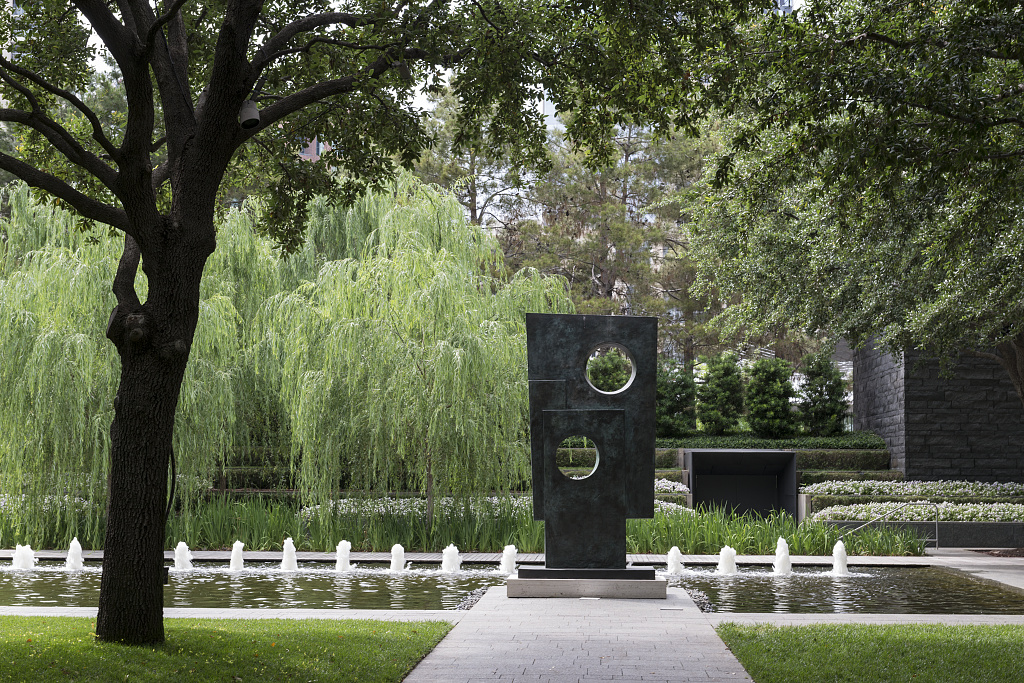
x: 720, y: 396
x: 826, y: 653
x: 675, y: 410
x: 280, y: 341
x: 823, y: 405
x: 327, y: 650
x: 851, y: 440
x: 842, y: 459
x: 707, y: 531
x: 876, y: 178
x: 406, y: 366
x: 609, y: 370
x: 769, y: 391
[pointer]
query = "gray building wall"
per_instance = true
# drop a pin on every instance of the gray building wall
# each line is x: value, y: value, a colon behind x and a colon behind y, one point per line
x: 966, y: 426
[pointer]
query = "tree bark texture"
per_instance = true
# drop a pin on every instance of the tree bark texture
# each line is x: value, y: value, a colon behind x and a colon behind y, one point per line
x: 153, y: 341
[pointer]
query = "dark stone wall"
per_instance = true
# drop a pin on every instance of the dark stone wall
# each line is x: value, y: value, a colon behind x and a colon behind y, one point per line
x: 878, y: 390
x: 966, y: 426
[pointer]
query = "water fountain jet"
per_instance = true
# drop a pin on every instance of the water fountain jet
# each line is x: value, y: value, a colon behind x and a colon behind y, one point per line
x: 508, y: 560
x: 727, y: 561
x: 237, y: 562
x: 839, y: 559
x: 74, y: 560
x: 24, y: 557
x: 397, y: 557
x: 675, y: 561
x: 288, y: 561
x: 451, y: 561
x: 782, y: 566
x: 341, y: 557
x: 182, y: 557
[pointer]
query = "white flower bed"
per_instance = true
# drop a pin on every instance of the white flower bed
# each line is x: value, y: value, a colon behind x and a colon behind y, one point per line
x: 948, y: 512
x: 670, y: 508
x: 9, y: 504
x: 418, y: 506
x: 914, y: 488
x: 669, y: 486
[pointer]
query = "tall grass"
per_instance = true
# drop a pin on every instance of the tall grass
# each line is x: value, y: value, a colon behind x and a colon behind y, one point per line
x: 479, y: 524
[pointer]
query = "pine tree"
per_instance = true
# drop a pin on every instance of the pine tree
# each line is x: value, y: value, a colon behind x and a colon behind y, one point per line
x: 823, y: 405
x: 677, y: 393
x: 768, y: 399
x: 720, y: 397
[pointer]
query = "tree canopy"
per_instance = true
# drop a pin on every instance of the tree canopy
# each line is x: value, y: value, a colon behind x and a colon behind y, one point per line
x: 875, y: 177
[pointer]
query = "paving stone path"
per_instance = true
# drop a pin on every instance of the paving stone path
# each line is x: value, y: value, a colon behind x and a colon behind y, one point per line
x: 570, y: 640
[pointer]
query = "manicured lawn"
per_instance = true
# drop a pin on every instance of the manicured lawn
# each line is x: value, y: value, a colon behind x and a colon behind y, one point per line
x: 915, y: 653
x: 296, y: 651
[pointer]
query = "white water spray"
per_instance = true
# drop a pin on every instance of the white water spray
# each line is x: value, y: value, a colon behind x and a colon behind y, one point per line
x: 508, y: 560
x: 236, y: 562
x: 839, y: 559
x: 727, y: 561
x: 783, y: 566
x: 675, y: 561
x: 397, y: 557
x: 288, y: 561
x: 24, y: 557
x: 341, y: 557
x: 182, y: 557
x: 74, y: 560
x: 451, y: 561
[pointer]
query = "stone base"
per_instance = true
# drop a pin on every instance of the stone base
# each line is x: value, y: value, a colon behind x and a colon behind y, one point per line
x: 626, y: 573
x: 652, y: 589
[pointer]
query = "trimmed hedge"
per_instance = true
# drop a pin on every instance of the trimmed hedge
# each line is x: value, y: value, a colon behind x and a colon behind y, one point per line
x: 677, y: 498
x: 670, y: 475
x: 584, y: 457
x: 850, y: 441
x: 842, y: 460
x: 820, y: 502
x: 816, y: 476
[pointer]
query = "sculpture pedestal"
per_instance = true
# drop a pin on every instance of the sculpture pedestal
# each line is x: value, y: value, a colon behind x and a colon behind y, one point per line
x: 629, y: 588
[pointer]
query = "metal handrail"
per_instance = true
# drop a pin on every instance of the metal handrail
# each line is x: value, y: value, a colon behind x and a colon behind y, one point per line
x: 896, y: 509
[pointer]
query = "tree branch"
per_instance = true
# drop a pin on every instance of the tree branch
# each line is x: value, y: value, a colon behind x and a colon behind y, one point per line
x: 97, y: 129
x: 118, y: 40
x: 87, y: 206
x: 63, y: 142
x: 159, y: 23
x: 124, y: 279
x: 276, y: 43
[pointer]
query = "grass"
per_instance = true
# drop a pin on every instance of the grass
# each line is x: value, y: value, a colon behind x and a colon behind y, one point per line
x: 837, y: 653
x: 65, y: 649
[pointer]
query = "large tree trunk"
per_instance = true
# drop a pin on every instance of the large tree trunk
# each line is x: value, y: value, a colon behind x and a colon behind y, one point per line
x: 153, y: 341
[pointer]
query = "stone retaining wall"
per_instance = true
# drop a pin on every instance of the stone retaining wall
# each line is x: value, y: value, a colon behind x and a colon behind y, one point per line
x: 967, y: 426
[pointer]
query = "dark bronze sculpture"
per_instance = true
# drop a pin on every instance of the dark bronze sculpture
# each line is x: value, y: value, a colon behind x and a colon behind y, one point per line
x: 585, y: 519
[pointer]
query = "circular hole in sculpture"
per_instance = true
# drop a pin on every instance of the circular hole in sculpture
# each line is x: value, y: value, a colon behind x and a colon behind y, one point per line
x: 577, y: 457
x: 610, y: 369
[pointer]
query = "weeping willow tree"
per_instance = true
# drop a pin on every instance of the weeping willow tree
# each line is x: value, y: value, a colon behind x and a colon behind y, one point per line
x: 405, y: 363
x: 60, y: 377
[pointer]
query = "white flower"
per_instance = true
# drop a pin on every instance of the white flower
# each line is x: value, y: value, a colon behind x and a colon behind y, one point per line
x: 948, y: 512
x: 668, y: 486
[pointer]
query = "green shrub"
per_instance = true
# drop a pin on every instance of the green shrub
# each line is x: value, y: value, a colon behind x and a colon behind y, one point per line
x: 822, y: 404
x: 850, y: 440
x: 609, y: 371
x: 675, y: 410
x: 666, y: 458
x: 768, y: 393
x: 720, y: 397
x: 842, y: 460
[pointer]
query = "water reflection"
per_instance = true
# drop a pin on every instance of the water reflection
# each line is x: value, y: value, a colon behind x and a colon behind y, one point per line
x: 865, y: 590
